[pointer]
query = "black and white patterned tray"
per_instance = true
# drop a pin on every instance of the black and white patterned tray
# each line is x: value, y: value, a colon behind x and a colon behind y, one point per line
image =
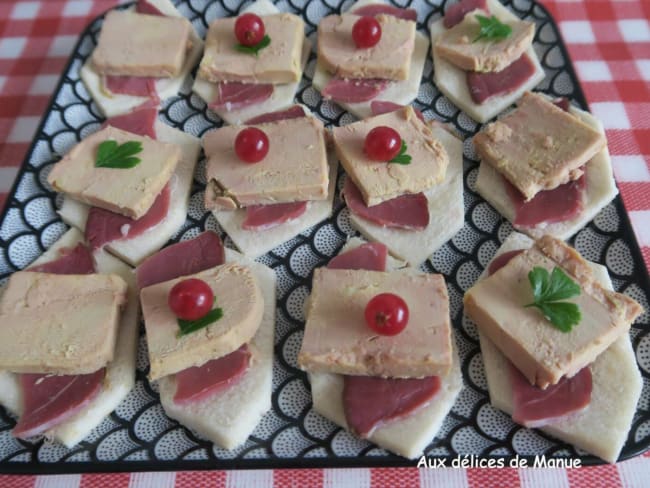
x: 138, y: 435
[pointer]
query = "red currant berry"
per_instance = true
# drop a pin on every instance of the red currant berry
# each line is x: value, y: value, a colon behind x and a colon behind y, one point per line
x: 251, y: 145
x: 387, y: 314
x: 249, y: 29
x: 366, y: 32
x: 382, y: 143
x: 190, y: 299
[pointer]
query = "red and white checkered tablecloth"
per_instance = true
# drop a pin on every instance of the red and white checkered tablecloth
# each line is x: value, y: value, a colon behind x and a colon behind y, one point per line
x: 609, y: 42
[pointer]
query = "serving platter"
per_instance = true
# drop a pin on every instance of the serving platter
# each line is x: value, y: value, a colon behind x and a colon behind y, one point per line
x: 138, y: 436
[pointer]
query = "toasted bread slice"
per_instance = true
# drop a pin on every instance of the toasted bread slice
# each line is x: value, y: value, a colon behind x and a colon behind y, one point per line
x: 450, y: 79
x: 407, y: 437
x: 120, y: 373
x: 399, y: 92
x: 230, y: 416
x: 602, y: 427
x: 283, y: 94
x: 601, y: 189
x: 446, y: 212
x: 115, y: 104
x: 134, y: 250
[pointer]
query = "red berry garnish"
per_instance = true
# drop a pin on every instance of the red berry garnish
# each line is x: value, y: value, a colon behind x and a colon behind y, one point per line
x: 382, y: 143
x: 366, y: 32
x: 249, y: 29
x: 387, y: 314
x: 190, y: 299
x: 251, y: 145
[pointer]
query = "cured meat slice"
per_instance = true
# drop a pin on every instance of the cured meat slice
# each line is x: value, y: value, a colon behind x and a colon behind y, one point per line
x: 137, y: 86
x: 353, y: 91
x: 49, y: 400
x: 293, y: 112
x: 104, y: 226
x: 371, y: 401
x: 235, y: 95
x: 501, y: 260
x: 534, y: 407
x: 410, y: 212
x: 376, y: 9
x: 263, y: 217
x: 139, y: 121
x: 563, y: 103
x: 197, y: 383
x: 184, y: 258
x: 457, y: 12
x: 371, y: 256
x: 548, y: 206
x: 483, y: 86
x: 76, y: 260
x: 379, y: 107
x: 146, y: 7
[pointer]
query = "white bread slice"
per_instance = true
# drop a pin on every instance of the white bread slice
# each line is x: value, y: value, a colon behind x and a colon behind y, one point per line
x: 114, y: 104
x: 120, y: 373
x: 446, y: 211
x: 283, y: 94
x: 229, y: 417
x: 409, y: 436
x: 451, y: 81
x: 255, y: 243
x: 134, y: 250
x: 602, y: 427
x: 601, y: 189
x: 400, y: 92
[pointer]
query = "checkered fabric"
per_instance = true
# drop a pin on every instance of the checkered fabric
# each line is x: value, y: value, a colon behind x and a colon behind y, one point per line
x: 609, y: 42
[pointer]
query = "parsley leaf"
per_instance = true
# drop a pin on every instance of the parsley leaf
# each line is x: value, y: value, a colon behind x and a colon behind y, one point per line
x: 492, y: 29
x: 548, y: 290
x: 402, y: 157
x: 189, y: 326
x: 266, y: 40
x: 110, y: 154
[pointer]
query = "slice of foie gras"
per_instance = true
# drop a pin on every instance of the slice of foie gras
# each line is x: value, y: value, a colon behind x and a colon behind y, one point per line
x: 237, y: 293
x: 46, y: 322
x: 461, y: 47
x: 126, y: 191
x: 543, y: 353
x: 295, y: 168
x: 389, y: 59
x: 279, y: 62
x: 538, y: 146
x: 338, y: 340
x: 132, y: 44
x: 379, y: 181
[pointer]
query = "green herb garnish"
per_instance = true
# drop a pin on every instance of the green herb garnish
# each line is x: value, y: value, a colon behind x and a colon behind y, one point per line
x: 548, y: 290
x: 266, y: 40
x: 492, y: 29
x: 402, y: 157
x: 110, y: 154
x: 188, y: 326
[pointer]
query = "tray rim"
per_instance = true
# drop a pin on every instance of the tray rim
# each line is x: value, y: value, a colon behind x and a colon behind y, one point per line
x: 122, y: 466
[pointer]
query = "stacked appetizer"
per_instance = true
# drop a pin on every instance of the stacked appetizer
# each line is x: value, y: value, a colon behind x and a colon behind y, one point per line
x: 404, y: 185
x: 127, y: 186
x: 545, y: 167
x: 252, y: 63
x: 370, y: 55
x: 381, y: 365
x: 269, y: 181
x: 67, y: 354
x: 142, y: 54
x: 209, y: 318
x: 554, y: 339
x: 483, y: 57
